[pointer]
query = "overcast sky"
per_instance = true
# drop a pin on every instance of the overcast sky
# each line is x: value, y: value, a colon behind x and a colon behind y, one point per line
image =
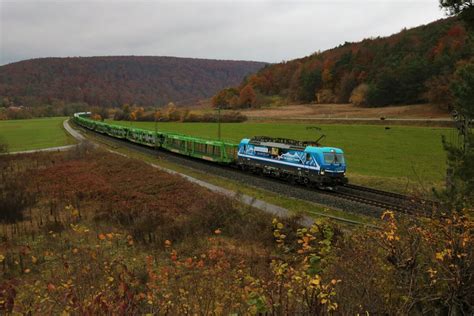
x: 269, y: 31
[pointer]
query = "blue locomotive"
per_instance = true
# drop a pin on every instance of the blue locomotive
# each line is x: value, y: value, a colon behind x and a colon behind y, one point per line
x: 296, y: 161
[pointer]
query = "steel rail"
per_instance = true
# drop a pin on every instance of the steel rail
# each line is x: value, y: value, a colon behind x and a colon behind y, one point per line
x: 412, y: 200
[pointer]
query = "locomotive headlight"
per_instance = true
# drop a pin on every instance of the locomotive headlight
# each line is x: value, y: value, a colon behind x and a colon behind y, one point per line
x: 322, y: 172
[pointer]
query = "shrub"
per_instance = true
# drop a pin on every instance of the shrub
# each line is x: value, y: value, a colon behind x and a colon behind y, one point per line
x: 426, y: 266
x: 359, y: 95
x: 3, y: 146
x: 325, y: 96
x: 14, y: 196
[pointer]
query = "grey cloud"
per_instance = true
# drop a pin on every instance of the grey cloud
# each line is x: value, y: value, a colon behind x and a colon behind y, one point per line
x: 251, y: 30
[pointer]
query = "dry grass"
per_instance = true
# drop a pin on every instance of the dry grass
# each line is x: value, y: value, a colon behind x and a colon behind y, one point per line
x: 313, y: 111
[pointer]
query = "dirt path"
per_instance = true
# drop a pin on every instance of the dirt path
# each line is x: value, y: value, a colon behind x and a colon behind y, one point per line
x: 59, y: 148
x: 78, y: 136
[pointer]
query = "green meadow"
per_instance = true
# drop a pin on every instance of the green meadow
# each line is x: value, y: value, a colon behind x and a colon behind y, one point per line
x: 34, y: 134
x: 400, y: 158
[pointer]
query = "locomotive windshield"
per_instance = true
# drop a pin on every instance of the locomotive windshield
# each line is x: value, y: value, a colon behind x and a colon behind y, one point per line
x: 331, y: 158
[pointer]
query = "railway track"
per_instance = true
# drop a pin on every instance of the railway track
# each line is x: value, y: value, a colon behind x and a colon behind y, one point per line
x: 380, y: 192
x: 388, y: 200
x: 358, y: 199
x: 370, y: 201
x: 412, y: 199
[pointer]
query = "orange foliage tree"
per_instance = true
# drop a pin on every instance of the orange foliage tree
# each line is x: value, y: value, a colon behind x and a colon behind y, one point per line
x: 226, y: 98
x: 247, y: 97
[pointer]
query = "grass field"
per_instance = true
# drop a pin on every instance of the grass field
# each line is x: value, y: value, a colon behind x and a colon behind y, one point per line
x: 407, y: 156
x: 34, y: 134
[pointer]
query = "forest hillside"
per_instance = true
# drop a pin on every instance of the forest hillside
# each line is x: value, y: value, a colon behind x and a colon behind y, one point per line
x: 114, y: 81
x: 410, y: 67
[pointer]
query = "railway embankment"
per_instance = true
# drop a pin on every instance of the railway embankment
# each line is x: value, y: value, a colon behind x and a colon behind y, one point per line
x: 315, y: 208
x: 333, y: 200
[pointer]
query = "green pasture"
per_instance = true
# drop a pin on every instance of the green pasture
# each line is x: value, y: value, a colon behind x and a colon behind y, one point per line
x: 34, y: 134
x: 407, y: 156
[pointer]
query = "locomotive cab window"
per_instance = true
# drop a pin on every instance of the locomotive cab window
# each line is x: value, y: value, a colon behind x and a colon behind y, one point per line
x: 331, y: 158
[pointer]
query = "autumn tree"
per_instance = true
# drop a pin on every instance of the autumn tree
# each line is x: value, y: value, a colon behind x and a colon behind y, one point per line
x: 96, y: 117
x: 172, y: 113
x: 460, y: 192
x: 348, y: 84
x: 327, y: 78
x: 325, y: 96
x: 184, y: 115
x: 126, y: 111
x: 226, y: 98
x: 234, y: 101
x: 359, y: 95
x: 438, y: 91
x: 261, y: 83
x: 247, y: 97
x: 138, y: 113
x: 157, y: 116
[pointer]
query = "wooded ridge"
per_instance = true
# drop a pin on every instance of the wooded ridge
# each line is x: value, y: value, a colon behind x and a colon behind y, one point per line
x: 413, y: 66
x: 114, y: 81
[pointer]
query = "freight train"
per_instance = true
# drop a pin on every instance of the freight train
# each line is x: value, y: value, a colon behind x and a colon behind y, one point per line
x: 302, y: 162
